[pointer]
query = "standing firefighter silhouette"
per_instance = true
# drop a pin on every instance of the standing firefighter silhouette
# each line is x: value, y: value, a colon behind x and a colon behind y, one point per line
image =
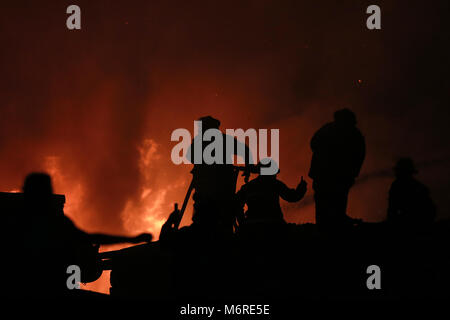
x: 338, y: 154
x: 410, y: 203
x: 215, y: 184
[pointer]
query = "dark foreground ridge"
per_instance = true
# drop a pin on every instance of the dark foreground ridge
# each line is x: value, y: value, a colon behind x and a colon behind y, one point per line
x: 261, y: 262
x: 295, y: 261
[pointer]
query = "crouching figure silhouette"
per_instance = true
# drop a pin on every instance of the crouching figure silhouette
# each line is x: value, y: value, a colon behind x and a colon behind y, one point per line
x: 262, y: 196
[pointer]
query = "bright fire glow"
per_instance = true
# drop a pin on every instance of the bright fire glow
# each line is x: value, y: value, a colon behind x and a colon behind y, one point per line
x: 145, y: 213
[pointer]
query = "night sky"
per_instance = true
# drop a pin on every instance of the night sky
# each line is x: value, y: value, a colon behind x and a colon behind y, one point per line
x: 96, y: 107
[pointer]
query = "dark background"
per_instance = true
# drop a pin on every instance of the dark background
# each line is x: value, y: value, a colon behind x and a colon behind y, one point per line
x: 96, y: 107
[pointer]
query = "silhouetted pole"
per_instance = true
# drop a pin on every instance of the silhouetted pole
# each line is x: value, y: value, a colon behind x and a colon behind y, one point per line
x: 185, y: 202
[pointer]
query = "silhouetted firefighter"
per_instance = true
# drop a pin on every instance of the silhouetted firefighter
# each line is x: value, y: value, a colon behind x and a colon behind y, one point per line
x: 262, y: 196
x: 52, y: 243
x: 338, y: 154
x: 215, y: 184
x: 410, y: 203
